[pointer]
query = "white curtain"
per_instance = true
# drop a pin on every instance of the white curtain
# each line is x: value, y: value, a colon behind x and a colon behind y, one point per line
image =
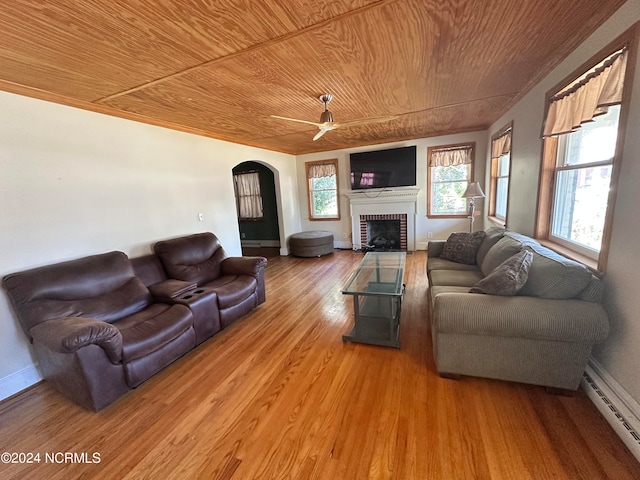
x: 448, y: 157
x: 580, y: 102
x: 249, y: 195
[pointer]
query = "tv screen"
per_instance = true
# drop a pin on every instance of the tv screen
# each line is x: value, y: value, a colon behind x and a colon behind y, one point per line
x: 395, y: 167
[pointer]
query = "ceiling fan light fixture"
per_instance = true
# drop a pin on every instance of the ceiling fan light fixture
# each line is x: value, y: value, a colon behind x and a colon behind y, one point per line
x: 327, y: 124
x: 326, y: 116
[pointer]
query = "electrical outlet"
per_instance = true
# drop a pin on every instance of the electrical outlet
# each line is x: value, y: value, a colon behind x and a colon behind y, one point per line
x: 345, y: 235
x: 201, y: 216
x: 429, y: 234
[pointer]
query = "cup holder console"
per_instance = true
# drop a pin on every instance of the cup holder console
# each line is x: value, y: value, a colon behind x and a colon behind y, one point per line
x: 192, y: 294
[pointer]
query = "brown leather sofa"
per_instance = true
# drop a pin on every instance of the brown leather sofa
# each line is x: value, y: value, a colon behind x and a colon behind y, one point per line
x: 102, y: 325
x: 238, y: 282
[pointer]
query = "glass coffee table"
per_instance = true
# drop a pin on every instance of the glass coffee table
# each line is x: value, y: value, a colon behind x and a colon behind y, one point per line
x: 377, y: 288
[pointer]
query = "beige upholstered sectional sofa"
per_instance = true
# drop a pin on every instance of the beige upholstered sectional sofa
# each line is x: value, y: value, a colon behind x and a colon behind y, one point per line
x: 543, y: 335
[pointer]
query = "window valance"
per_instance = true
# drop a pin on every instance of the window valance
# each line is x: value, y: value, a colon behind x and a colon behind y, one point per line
x: 501, y: 145
x: 590, y: 96
x: 448, y: 157
x: 319, y: 170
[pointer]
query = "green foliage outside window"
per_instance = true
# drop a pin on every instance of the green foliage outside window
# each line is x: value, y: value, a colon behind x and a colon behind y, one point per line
x: 324, y: 196
x: 448, y: 185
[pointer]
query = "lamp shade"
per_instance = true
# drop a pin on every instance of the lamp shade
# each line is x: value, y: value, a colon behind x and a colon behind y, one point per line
x: 473, y: 191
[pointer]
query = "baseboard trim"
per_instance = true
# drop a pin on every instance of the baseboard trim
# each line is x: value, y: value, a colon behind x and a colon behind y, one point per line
x: 421, y: 245
x: 260, y: 243
x: 18, y: 381
x: 620, y: 410
x: 342, y: 245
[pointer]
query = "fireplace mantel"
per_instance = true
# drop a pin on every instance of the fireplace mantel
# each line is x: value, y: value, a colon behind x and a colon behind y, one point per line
x: 381, y: 202
x: 384, y: 196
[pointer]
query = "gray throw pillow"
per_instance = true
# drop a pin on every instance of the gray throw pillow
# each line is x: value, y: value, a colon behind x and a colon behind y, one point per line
x: 508, y: 278
x: 462, y: 247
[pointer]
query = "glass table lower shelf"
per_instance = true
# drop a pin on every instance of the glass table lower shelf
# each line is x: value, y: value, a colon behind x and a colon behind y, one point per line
x: 377, y: 288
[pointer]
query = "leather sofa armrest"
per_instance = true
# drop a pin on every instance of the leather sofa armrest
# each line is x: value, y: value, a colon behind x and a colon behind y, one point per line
x: 434, y: 248
x: 169, y: 289
x: 243, y: 265
x: 67, y: 335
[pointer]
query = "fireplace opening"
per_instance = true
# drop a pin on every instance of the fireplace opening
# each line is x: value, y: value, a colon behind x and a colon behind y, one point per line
x: 383, y: 235
x: 382, y: 232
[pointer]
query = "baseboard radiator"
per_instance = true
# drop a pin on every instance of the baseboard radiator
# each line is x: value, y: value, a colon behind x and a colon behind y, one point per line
x: 617, y: 407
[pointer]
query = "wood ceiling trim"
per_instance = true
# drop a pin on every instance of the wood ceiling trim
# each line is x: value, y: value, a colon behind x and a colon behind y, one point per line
x: 250, y: 49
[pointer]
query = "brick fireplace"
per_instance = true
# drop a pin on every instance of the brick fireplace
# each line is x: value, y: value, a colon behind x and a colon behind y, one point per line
x: 387, y: 205
x: 384, y: 232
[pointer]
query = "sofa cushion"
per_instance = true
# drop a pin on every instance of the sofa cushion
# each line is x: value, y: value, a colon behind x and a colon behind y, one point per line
x: 552, y: 275
x: 461, y: 247
x: 103, y: 287
x: 508, y: 278
x: 194, y: 258
x: 455, y: 278
x: 504, y: 249
x: 593, y: 292
x: 492, y: 236
x: 435, y: 291
x: 232, y: 289
x: 151, y: 329
x: 441, y: 264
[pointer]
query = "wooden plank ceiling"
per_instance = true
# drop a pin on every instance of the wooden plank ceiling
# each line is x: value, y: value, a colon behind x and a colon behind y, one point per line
x: 221, y: 68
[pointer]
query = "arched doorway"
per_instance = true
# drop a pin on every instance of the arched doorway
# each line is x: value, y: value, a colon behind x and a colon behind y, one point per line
x: 259, y: 235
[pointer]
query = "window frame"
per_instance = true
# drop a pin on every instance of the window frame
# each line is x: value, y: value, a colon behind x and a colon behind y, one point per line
x: 562, y: 167
x: 493, y: 177
x: 312, y: 217
x: 551, y: 146
x: 470, y: 177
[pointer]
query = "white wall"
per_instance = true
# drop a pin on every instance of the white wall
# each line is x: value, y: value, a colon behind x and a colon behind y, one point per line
x: 619, y: 354
x: 76, y: 183
x: 441, y: 228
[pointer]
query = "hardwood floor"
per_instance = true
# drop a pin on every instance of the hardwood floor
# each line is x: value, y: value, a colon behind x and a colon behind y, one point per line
x: 278, y: 395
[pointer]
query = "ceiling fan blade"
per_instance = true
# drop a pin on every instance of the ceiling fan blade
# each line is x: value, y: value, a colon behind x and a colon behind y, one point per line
x: 365, y: 121
x: 324, y: 128
x: 320, y: 133
x: 315, y: 124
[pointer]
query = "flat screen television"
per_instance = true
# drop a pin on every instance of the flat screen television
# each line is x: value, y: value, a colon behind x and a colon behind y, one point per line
x: 395, y: 167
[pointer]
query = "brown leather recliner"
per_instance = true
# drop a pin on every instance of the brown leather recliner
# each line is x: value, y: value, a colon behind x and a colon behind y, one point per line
x: 95, y: 327
x: 238, y: 282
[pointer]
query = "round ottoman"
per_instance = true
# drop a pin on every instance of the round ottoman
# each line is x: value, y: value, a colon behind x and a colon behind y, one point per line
x: 311, y: 244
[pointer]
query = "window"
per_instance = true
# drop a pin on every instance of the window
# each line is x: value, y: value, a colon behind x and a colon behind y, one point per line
x: 581, y: 154
x: 322, y: 186
x: 583, y: 176
x: 248, y: 195
x: 450, y: 171
x: 500, y: 171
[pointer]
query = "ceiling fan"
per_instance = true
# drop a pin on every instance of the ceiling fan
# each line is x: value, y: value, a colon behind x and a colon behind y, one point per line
x: 326, y: 122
